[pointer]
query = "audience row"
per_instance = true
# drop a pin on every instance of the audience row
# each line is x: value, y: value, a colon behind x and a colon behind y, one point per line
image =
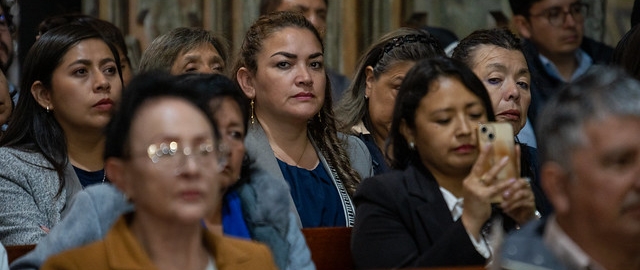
x: 202, y: 171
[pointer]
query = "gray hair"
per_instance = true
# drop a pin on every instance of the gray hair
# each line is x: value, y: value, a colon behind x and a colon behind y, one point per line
x: 164, y: 50
x: 601, y: 93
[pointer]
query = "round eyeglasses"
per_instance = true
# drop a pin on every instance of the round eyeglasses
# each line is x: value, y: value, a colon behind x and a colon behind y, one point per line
x: 172, y: 155
x: 557, y: 16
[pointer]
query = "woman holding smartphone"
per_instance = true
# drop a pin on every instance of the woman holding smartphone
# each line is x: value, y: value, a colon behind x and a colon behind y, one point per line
x: 434, y: 208
x: 496, y: 57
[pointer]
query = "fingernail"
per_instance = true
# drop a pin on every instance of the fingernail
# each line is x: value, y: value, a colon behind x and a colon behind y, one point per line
x: 506, y: 194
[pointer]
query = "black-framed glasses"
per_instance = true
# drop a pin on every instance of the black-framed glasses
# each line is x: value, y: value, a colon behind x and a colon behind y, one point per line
x: 557, y: 16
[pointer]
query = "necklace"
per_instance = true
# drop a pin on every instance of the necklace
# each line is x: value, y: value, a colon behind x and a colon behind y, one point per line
x: 104, y: 175
x: 297, y: 164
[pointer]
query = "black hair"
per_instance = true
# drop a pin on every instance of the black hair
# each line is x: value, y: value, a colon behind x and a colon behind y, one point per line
x: 32, y: 128
x: 415, y: 86
x: 626, y: 55
x: 521, y: 7
x: 500, y: 37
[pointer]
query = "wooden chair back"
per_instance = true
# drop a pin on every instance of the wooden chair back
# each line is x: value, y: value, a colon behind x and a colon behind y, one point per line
x: 14, y: 252
x: 330, y: 247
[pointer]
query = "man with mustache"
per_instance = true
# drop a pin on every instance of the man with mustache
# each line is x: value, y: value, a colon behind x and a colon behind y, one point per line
x: 590, y: 151
x: 554, y: 45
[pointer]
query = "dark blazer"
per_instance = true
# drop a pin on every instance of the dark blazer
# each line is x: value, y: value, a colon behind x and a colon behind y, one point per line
x: 121, y: 250
x: 402, y: 220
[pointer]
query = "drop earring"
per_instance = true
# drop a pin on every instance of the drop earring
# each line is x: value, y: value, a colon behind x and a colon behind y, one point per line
x: 412, y: 146
x: 47, y: 109
x: 252, y: 117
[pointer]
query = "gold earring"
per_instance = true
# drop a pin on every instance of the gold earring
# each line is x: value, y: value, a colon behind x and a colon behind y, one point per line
x: 320, y: 116
x: 252, y: 117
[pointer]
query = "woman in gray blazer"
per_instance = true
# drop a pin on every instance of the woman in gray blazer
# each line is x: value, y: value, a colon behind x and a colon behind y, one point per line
x: 70, y: 82
x: 292, y: 129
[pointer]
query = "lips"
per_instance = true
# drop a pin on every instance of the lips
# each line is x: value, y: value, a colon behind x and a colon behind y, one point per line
x: 304, y: 95
x: 104, y: 104
x: 512, y: 115
x: 191, y: 195
x: 465, y: 149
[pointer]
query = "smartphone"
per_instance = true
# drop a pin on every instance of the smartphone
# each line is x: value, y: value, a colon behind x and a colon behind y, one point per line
x: 500, y: 136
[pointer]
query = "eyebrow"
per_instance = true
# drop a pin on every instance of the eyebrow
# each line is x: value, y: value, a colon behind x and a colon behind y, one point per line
x: 88, y: 62
x: 521, y: 72
x: 293, y: 56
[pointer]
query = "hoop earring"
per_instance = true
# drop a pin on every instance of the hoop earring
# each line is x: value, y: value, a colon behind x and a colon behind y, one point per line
x: 252, y: 112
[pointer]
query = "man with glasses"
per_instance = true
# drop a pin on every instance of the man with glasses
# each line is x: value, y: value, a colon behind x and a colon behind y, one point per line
x: 554, y: 45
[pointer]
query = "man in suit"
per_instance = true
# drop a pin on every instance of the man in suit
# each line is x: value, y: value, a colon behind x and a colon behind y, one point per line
x: 590, y: 152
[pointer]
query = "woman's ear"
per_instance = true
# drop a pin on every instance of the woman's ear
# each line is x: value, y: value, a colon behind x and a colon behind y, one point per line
x: 245, y: 80
x: 369, y: 80
x: 407, y: 132
x: 114, y: 171
x: 42, y: 95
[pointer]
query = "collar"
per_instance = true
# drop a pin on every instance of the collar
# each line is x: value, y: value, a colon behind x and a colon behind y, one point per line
x: 584, y: 63
x: 453, y: 203
x: 360, y: 129
x: 567, y: 251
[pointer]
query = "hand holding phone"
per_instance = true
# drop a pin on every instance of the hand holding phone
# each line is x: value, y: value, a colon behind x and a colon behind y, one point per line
x: 500, y: 136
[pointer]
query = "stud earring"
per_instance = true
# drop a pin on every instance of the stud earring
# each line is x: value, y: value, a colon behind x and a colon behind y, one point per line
x: 47, y: 108
x: 412, y: 146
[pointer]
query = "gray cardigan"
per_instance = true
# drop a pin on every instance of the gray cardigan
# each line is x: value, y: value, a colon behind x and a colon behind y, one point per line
x: 259, y: 150
x: 28, y: 196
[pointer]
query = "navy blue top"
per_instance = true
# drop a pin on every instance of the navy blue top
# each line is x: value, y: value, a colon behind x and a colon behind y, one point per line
x: 315, y: 196
x: 377, y: 158
x: 89, y: 178
x: 232, y: 218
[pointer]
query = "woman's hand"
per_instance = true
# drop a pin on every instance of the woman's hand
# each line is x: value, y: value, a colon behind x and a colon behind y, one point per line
x: 478, y: 189
x: 518, y: 200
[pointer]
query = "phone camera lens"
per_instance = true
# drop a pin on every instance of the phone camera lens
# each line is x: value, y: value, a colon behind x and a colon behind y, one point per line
x: 491, y: 136
x: 483, y: 129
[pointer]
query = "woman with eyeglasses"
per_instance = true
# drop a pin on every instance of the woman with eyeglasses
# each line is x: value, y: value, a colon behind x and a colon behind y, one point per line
x: 253, y: 205
x: 162, y: 152
x: 53, y: 148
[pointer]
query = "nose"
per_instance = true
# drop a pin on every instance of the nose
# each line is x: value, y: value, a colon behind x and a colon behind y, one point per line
x: 188, y: 166
x: 569, y: 20
x: 102, y: 83
x: 304, y: 76
x: 512, y: 92
x: 464, y: 126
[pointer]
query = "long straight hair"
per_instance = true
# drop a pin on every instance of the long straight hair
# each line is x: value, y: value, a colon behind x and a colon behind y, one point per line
x: 32, y: 128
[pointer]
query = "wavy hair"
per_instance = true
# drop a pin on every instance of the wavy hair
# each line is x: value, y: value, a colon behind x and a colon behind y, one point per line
x: 322, y: 127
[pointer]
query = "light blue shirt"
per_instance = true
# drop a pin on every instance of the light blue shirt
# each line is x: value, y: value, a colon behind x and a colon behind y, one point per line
x: 584, y: 63
x: 4, y: 263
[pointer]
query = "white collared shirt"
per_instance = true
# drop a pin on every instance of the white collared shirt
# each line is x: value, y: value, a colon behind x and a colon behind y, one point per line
x: 565, y: 249
x: 455, y: 207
